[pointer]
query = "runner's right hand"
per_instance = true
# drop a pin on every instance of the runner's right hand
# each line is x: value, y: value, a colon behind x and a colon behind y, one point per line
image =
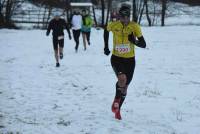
x: 106, y: 51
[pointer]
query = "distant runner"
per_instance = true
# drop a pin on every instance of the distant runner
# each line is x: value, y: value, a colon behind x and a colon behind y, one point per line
x: 76, y: 22
x: 86, y: 27
x: 58, y: 24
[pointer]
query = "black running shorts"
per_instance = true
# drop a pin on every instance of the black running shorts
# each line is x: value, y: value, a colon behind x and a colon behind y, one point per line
x: 58, y: 41
x: 123, y: 65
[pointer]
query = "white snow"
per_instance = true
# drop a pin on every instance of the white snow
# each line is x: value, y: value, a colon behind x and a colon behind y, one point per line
x: 38, y: 98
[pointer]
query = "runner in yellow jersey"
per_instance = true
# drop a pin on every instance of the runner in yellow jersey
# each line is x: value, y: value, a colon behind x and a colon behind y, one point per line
x: 126, y: 34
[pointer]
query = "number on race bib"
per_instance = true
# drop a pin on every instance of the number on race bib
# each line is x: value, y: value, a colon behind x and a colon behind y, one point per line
x: 122, y: 48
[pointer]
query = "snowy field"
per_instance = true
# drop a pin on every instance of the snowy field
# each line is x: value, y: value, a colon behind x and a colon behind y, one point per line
x: 38, y: 98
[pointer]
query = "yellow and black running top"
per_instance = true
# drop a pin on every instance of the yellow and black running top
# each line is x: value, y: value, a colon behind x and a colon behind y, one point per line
x: 122, y: 47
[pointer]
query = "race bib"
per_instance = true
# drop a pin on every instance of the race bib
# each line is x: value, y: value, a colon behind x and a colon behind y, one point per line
x: 123, y: 48
x: 60, y: 37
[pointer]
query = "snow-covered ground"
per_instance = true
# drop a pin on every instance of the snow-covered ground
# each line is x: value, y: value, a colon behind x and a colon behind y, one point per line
x: 38, y: 98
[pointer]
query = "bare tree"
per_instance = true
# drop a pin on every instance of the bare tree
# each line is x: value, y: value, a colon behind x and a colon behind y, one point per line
x: 46, y: 16
x: 147, y: 12
x: 150, y: 15
x: 8, y: 8
x: 141, y: 13
x: 48, y: 6
x: 94, y: 2
x: 2, y: 2
x: 137, y: 10
x: 154, y: 12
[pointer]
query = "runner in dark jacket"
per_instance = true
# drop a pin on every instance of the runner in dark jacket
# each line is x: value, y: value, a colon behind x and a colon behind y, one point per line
x: 57, y: 25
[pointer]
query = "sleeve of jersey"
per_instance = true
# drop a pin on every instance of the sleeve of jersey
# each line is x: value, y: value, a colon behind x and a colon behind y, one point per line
x: 49, y: 27
x: 109, y: 26
x: 137, y: 31
x: 91, y: 22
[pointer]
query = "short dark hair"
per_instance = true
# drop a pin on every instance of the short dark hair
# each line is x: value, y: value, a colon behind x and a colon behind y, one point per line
x: 125, y: 10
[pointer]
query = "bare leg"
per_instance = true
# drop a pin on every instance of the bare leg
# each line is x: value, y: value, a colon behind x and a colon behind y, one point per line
x: 56, y: 56
x: 122, y: 80
x: 60, y: 50
x: 88, y: 37
x: 84, y: 40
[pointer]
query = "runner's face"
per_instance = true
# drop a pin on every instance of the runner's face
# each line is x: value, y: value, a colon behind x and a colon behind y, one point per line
x: 83, y: 13
x: 114, y: 19
x: 57, y: 17
x: 125, y: 19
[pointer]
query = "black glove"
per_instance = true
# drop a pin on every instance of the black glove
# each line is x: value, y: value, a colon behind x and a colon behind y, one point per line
x: 106, y: 51
x: 47, y: 33
x: 70, y: 37
x: 131, y: 38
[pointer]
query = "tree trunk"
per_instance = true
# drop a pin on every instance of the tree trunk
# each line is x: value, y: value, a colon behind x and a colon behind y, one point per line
x: 154, y: 13
x: 67, y: 9
x: 135, y: 18
x: 44, y: 18
x: 147, y: 12
x: 49, y: 14
x: 1, y: 13
x: 108, y: 10
x: 102, y: 12
x: 9, y: 5
x: 68, y: 15
x: 38, y: 24
x: 95, y: 20
x: 164, y: 7
x: 141, y: 13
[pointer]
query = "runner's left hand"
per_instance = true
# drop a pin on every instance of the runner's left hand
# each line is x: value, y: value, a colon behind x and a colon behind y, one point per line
x: 131, y: 38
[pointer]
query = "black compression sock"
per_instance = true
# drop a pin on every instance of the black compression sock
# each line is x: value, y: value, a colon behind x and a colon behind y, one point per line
x: 123, y: 96
x: 118, y: 92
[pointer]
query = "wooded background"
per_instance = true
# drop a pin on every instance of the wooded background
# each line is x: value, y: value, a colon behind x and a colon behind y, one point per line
x: 12, y: 11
